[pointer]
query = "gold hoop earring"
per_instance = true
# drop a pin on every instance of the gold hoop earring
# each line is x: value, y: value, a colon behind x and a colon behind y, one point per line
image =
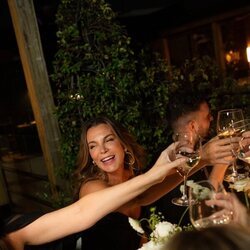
x: 131, y: 158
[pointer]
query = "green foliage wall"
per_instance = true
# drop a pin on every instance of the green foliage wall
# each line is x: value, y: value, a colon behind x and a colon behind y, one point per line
x: 97, y: 71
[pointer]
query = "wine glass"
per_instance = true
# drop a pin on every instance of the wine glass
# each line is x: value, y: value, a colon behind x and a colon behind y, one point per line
x: 201, y: 213
x: 226, y: 127
x: 225, y: 119
x: 238, y: 129
x: 188, y: 145
x: 244, y: 150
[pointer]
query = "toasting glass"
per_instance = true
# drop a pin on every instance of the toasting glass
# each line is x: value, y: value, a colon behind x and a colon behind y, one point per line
x: 201, y: 213
x: 188, y: 145
x: 226, y: 127
x: 244, y: 150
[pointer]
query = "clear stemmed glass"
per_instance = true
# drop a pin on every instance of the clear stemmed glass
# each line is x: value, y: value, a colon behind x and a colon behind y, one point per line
x: 225, y: 128
x: 238, y: 129
x: 201, y: 213
x: 244, y: 151
x: 188, y: 145
x: 225, y: 119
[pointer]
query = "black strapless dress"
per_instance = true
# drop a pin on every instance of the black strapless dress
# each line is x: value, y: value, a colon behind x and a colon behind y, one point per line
x: 112, y: 232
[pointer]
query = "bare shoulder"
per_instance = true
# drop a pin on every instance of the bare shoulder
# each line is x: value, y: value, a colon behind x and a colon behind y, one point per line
x: 92, y: 186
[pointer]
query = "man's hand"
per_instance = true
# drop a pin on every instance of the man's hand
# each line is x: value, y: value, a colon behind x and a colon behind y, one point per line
x: 219, y: 151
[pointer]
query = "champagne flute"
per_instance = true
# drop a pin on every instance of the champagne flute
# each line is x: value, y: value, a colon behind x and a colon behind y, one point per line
x: 188, y: 145
x: 225, y: 120
x: 201, y: 213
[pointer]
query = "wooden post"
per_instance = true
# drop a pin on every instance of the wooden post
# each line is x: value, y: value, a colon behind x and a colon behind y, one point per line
x: 219, y: 47
x: 35, y: 71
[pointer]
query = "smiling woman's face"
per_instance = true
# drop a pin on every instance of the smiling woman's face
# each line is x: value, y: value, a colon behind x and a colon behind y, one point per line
x: 105, y: 148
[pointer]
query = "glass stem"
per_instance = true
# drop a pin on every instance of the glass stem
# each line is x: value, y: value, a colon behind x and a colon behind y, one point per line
x: 180, y: 221
x: 184, y: 194
x: 234, y: 168
x: 246, y: 199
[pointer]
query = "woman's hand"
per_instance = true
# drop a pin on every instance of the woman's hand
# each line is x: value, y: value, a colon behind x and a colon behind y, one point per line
x: 167, y: 162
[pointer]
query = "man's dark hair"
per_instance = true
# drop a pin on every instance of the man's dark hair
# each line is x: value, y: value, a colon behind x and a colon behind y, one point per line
x: 184, y: 102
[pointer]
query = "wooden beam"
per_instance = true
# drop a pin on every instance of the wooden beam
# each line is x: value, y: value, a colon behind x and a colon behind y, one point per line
x: 202, y: 22
x: 37, y: 80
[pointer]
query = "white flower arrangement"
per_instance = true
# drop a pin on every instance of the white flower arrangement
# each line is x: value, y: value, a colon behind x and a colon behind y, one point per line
x: 161, y: 231
x: 242, y: 186
x: 199, y: 191
x: 135, y: 224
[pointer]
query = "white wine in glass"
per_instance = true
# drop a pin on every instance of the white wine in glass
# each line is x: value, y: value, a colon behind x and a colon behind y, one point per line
x: 225, y: 119
x: 226, y: 127
x: 188, y: 145
x: 244, y: 151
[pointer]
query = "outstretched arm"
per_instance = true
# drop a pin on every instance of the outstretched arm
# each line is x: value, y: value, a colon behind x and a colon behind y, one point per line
x: 167, y: 184
x: 216, y: 151
x: 85, y: 212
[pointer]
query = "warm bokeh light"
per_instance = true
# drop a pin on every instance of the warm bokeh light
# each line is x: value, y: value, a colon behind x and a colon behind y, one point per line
x: 248, y: 54
x: 232, y: 56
